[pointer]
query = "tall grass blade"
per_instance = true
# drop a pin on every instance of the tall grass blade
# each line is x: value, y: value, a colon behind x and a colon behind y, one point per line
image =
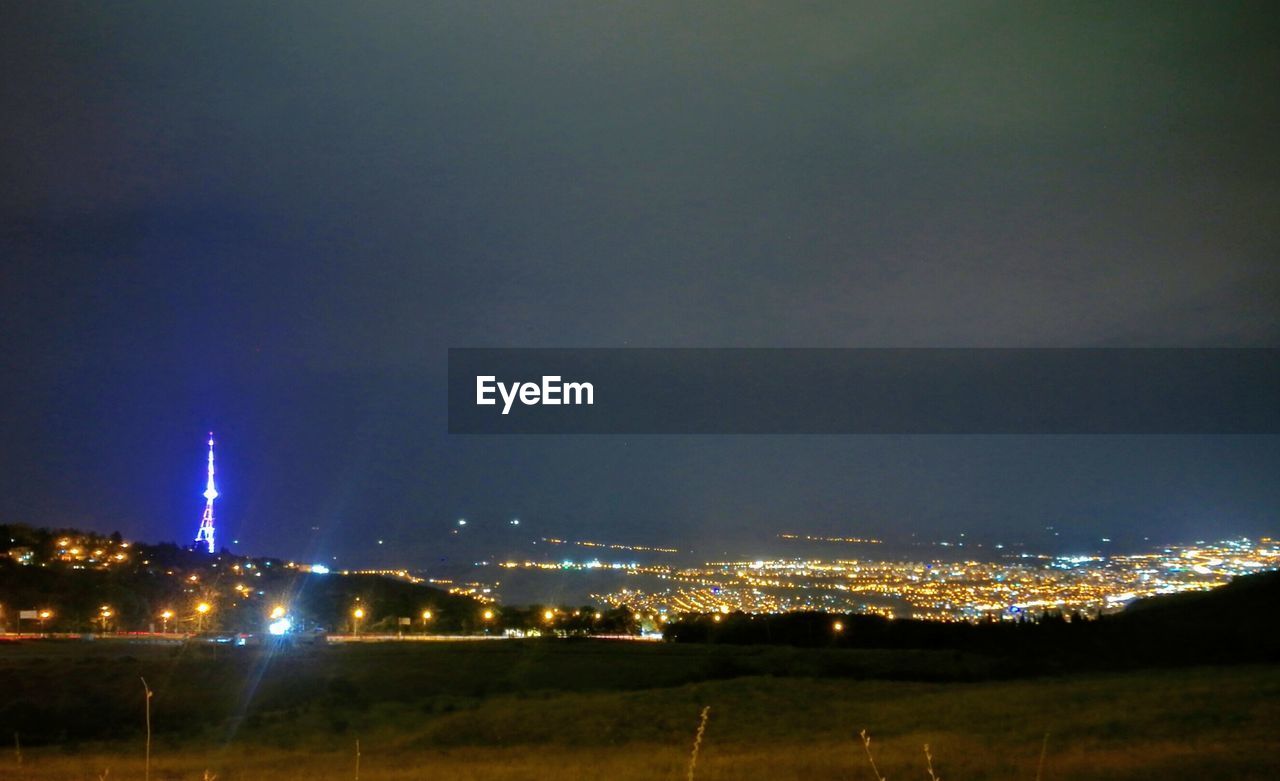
x: 697, y: 740
x: 866, y: 745
x: 146, y: 764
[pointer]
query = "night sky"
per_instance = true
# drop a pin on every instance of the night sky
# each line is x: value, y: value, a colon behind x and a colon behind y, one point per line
x: 271, y: 220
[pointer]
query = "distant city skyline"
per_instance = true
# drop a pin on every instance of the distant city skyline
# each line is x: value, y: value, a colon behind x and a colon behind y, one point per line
x: 937, y: 581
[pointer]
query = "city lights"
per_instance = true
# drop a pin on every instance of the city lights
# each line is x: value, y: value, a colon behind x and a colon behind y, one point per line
x: 1000, y: 585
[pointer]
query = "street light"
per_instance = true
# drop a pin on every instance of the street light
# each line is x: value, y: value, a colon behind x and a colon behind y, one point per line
x: 837, y: 627
x: 549, y: 615
x: 104, y: 615
x: 278, y: 612
x: 357, y: 614
x: 165, y: 615
x: 45, y: 615
x: 201, y: 610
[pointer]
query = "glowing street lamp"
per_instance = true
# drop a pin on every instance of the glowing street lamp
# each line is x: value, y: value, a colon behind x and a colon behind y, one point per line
x: 201, y: 610
x: 104, y: 615
x: 426, y: 617
x: 165, y: 615
x: 278, y: 612
x: 44, y: 615
x: 837, y: 627
x: 357, y: 615
x: 549, y: 616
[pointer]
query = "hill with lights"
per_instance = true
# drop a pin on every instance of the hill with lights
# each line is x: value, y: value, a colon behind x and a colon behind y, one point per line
x: 67, y: 580
x: 1229, y: 624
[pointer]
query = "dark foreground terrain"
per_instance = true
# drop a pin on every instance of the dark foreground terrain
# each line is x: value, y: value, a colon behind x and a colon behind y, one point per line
x: 617, y: 710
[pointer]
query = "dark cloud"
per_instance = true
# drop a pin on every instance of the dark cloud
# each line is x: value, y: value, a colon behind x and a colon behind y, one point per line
x: 213, y: 214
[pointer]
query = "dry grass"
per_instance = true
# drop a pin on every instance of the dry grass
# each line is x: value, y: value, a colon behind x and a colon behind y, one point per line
x: 1184, y: 724
x: 697, y: 740
x: 871, y: 760
x: 790, y: 762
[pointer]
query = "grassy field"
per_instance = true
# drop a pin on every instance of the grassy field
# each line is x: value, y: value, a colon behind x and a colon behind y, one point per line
x: 550, y: 710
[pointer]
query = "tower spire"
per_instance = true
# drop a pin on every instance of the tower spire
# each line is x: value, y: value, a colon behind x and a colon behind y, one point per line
x: 204, y: 537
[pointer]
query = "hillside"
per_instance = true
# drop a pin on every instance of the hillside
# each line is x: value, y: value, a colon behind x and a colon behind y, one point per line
x: 82, y: 582
x: 1230, y: 624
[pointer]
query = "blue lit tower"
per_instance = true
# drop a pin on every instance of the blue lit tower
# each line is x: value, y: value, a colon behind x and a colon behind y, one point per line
x: 204, y: 537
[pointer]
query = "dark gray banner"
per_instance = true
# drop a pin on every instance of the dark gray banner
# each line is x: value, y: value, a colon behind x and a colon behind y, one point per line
x: 864, y: 391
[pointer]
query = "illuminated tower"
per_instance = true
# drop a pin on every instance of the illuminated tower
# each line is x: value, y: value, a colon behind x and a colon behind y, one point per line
x: 204, y: 537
